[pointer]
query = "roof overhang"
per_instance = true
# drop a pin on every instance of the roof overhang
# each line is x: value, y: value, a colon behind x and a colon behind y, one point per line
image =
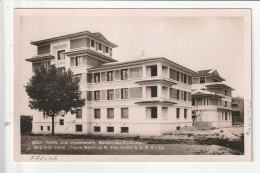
x: 219, y: 85
x: 40, y: 58
x: 142, y: 61
x: 75, y: 52
x: 225, y: 109
x: 153, y: 102
x: 74, y: 35
x: 151, y: 81
x: 207, y: 95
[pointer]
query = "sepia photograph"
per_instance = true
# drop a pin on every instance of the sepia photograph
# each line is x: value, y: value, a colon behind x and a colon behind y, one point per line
x: 138, y: 84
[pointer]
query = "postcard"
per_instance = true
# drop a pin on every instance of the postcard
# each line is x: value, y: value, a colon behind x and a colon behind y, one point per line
x: 139, y: 85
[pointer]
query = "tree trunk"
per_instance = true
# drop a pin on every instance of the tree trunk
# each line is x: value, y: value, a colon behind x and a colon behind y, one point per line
x: 52, y: 129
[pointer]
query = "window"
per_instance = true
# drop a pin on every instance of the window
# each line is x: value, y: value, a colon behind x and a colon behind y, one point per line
x: 153, y: 112
x: 41, y: 128
x: 178, y: 113
x: 92, y: 43
x: 96, y: 77
x: 178, y: 76
x: 124, y: 129
x: 202, y: 79
x: 124, y: 74
x: 99, y: 46
x: 225, y: 103
x: 110, y: 94
x: 206, y: 101
x: 124, y: 93
x: 107, y: 49
x: 49, y: 128
x: 154, y: 91
x: 193, y: 102
x: 97, y: 113
x: 185, y: 78
x: 225, y: 92
x: 185, y: 113
x: 154, y: 70
x: 97, y: 95
x: 110, y: 129
x: 110, y: 76
x: 185, y: 96
x: 46, y: 64
x: 78, y: 61
x: 178, y: 94
x: 110, y: 112
x: 45, y: 116
x: 61, y: 122
x: 164, y: 112
x: 79, y: 76
x: 225, y: 116
x: 60, y: 54
x: 97, y: 129
x: 124, y: 112
x: 178, y: 128
x: 78, y: 128
x: 78, y: 113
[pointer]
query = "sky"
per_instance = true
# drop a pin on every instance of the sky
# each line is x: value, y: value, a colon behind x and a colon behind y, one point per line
x: 194, y: 39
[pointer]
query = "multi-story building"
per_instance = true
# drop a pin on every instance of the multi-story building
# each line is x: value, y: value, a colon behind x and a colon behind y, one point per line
x: 148, y: 96
x: 211, y: 99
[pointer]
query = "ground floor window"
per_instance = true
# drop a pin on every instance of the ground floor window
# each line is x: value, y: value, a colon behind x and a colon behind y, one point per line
x: 110, y: 112
x: 97, y: 113
x: 178, y: 128
x: 185, y: 113
x: 164, y: 112
x: 78, y: 128
x: 79, y: 113
x: 41, y: 128
x: 110, y: 129
x: 97, y: 129
x: 61, y: 122
x: 151, y: 112
x: 124, y: 129
x: 178, y: 113
x: 49, y: 128
x: 124, y: 112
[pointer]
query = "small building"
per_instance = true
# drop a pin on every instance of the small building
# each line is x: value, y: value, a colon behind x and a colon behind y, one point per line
x: 148, y: 96
x: 238, y: 113
x: 211, y: 99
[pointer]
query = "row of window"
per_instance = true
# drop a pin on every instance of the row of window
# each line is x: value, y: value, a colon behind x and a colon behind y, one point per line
x: 110, y: 94
x: 153, y: 92
x: 209, y: 101
x: 110, y: 75
x: 179, y: 76
x: 48, y: 128
x: 110, y: 113
x: 226, y: 116
x: 99, y: 46
x: 111, y: 129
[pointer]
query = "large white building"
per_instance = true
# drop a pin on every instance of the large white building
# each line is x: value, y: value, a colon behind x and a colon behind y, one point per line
x: 148, y: 96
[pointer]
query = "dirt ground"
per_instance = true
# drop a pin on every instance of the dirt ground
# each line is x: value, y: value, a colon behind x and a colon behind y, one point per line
x: 188, y: 141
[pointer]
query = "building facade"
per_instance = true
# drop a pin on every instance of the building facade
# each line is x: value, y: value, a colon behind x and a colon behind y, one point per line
x: 211, y: 99
x: 148, y: 96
